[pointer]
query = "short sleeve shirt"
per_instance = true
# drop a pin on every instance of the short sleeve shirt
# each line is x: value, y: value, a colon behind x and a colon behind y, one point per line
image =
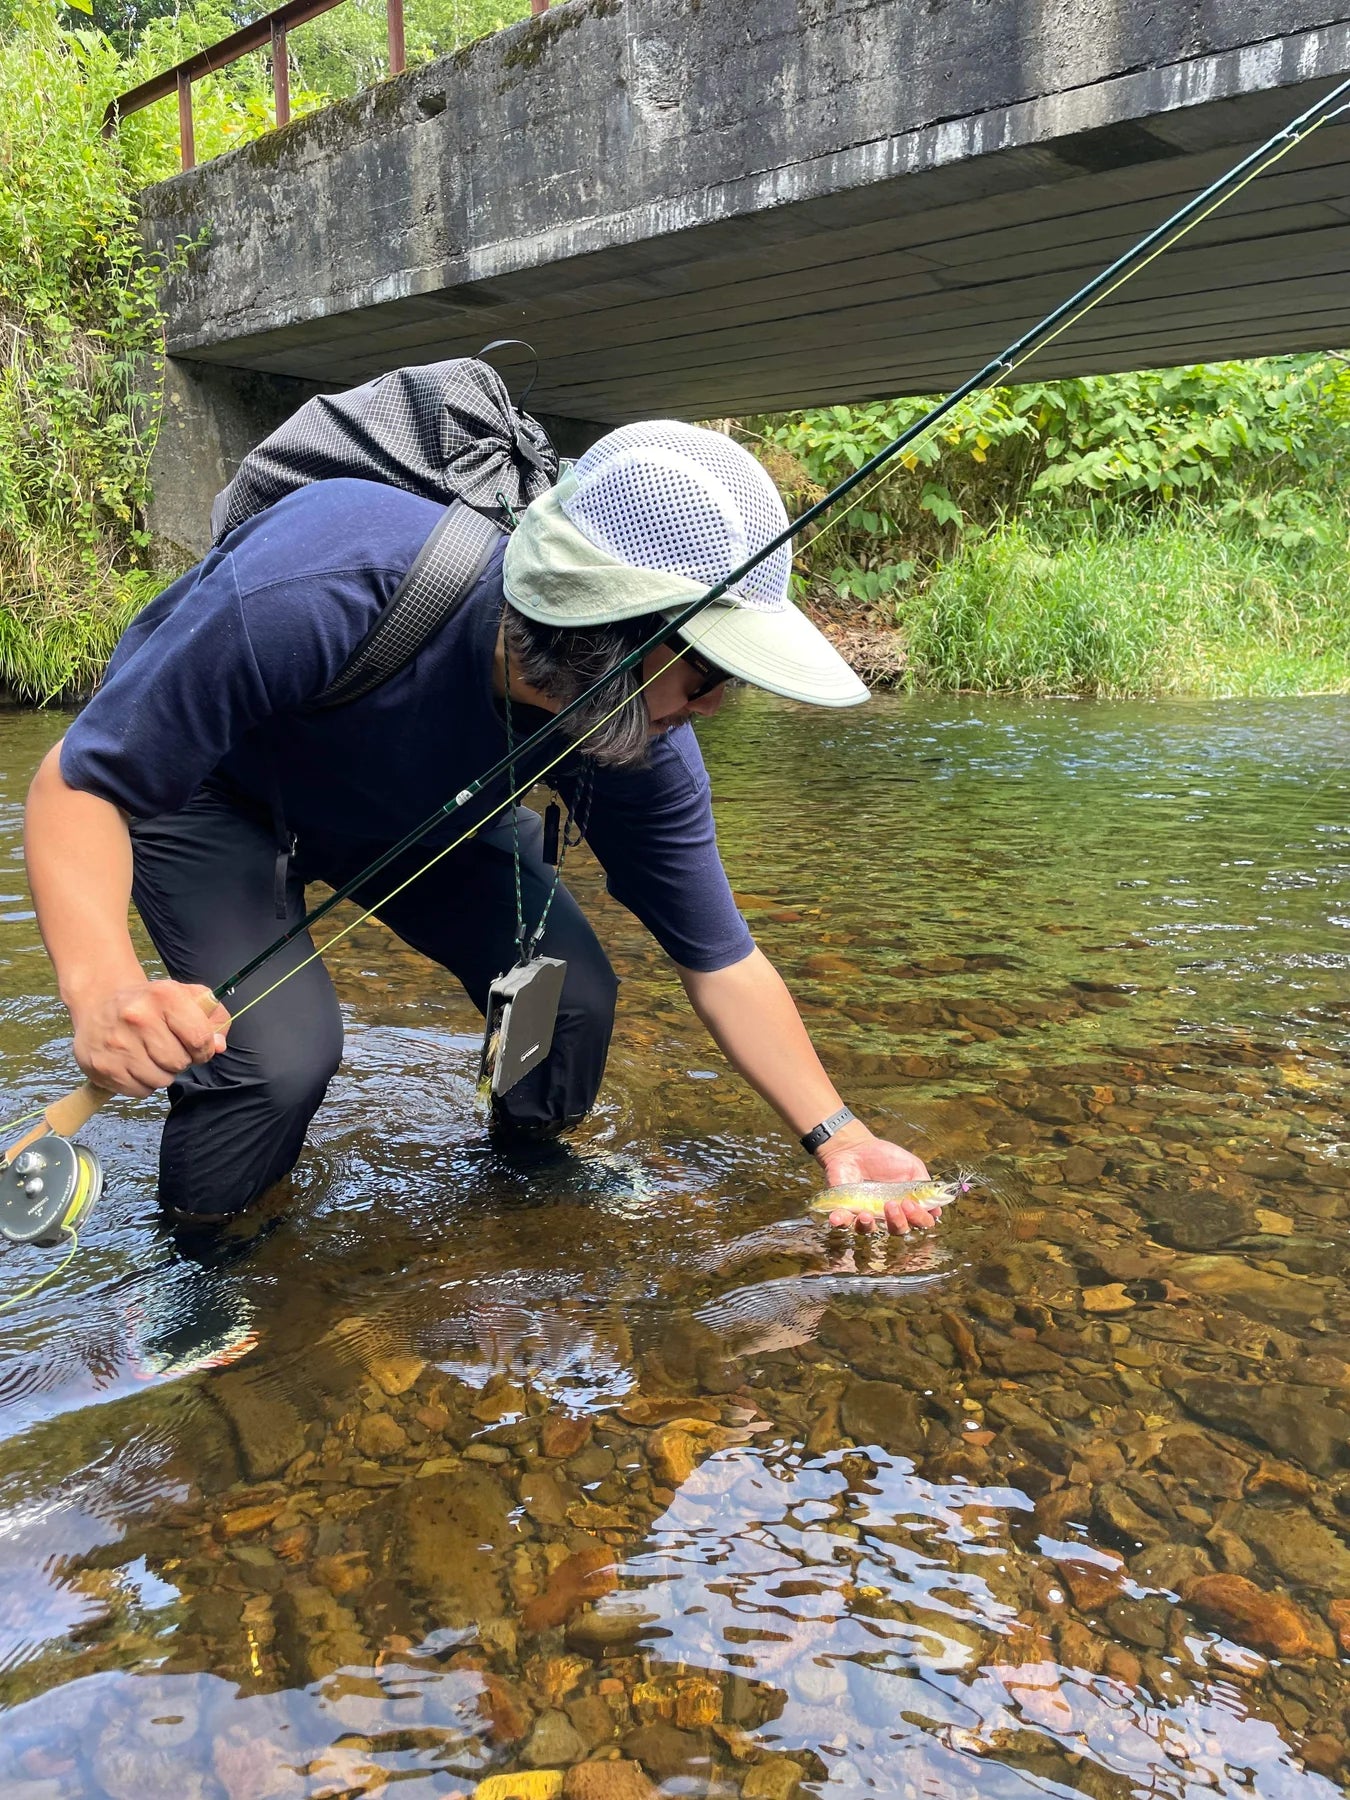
x: 216, y: 678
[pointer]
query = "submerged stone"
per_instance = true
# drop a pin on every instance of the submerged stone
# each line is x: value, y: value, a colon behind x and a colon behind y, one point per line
x: 1294, y: 1422
x: 1271, y: 1623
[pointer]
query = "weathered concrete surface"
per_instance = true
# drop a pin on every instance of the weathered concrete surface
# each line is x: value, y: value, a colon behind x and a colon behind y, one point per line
x: 211, y: 418
x: 703, y: 207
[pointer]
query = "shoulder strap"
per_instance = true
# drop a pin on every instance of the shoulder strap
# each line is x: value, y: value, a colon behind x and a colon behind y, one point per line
x: 446, y: 567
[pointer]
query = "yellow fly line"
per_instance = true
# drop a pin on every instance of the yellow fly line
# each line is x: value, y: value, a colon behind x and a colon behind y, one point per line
x: 463, y: 838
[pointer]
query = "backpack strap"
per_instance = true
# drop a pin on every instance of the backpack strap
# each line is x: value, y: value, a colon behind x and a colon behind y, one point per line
x: 446, y: 567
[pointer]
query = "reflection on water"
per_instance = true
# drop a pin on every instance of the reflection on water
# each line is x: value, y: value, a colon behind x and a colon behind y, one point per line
x: 616, y: 1471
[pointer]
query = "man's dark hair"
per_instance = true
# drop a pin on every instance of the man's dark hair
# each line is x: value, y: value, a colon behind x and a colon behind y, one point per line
x: 563, y: 661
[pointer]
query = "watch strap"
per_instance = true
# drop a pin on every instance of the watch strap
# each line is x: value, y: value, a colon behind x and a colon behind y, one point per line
x: 822, y: 1133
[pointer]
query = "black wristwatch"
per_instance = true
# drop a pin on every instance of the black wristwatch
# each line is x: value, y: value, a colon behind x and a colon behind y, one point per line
x: 822, y: 1133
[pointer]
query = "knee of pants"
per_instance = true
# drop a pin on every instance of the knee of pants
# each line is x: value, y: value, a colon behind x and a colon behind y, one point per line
x: 238, y: 1124
x: 293, y: 1075
x: 590, y: 994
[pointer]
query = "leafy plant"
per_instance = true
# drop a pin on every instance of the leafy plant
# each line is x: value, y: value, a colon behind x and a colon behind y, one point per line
x: 1261, y: 441
x: 79, y: 349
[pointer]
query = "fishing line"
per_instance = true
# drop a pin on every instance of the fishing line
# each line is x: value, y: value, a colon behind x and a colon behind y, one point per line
x: 417, y: 874
x: 51, y: 1275
x: 995, y: 371
x: 23, y: 1119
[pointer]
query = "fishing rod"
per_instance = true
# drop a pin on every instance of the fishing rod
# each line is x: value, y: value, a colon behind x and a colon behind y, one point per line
x: 50, y: 1212
x: 997, y: 369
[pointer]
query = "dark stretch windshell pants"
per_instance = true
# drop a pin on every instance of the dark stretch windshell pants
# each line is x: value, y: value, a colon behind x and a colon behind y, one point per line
x: 206, y: 887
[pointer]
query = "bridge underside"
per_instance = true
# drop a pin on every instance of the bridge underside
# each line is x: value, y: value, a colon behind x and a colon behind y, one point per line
x: 832, y: 202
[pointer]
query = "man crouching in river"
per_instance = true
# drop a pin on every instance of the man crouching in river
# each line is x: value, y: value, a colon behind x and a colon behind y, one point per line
x: 202, y: 782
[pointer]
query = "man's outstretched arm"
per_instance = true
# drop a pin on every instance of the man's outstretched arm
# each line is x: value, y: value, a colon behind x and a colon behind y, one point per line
x: 755, y: 1023
x: 132, y: 1035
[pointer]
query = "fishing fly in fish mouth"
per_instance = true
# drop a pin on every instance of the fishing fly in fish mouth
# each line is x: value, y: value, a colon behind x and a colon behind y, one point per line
x: 206, y: 783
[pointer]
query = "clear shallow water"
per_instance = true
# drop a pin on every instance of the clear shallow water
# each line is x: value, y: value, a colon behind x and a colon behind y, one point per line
x: 622, y: 1460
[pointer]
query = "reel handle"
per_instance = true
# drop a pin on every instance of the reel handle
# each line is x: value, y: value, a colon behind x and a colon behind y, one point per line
x: 73, y: 1111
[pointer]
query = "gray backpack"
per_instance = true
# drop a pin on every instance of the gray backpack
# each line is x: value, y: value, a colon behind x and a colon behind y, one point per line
x: 449, y: 431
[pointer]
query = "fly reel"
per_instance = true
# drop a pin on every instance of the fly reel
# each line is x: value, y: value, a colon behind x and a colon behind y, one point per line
x: 47, y: 1190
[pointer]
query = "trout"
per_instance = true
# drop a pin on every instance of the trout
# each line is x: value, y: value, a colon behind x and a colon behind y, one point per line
x: 871, y: 1197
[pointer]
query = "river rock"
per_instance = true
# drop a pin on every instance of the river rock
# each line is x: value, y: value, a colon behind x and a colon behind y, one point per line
x: 776, y: 1778
x: 1122, y: 1515
x: 1271, y: 1623
x: 674, y: 1454
x: 561, y: 1435
x: 1203, y: 1465
x: 588, y: 1574
x: 1094, y: 1580
x: 378, y: 1436
x: 962, y: 1340
x: 1196, y: 1221
x: 1021, y: 1357
x: 876, y: 1412
x: 528, y: 1784
x: 1297, y: 1547
x: 1287, y: 1300
x: 553, y: 1741
x: 1082, y: 1167
x: 601, y: 1629
x: 268, y: 1429
x: 667, y: 1753
x: 1279, y: 1478
x: 1108, y: 1298
x: 1294, y: 1422
x: 543, y: 1498
x: 616, y: 1780
x: 436, y: 1520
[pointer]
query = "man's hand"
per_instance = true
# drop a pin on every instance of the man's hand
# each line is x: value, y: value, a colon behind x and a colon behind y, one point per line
x: 139, y: 1038
x: 854, y: 1154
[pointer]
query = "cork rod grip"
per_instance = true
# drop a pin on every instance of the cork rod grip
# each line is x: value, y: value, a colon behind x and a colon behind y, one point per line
x: 73, y: 1111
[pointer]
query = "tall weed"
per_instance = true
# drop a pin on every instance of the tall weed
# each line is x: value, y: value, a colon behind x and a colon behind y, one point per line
x: 79, y: 335
x: 1175, y: 604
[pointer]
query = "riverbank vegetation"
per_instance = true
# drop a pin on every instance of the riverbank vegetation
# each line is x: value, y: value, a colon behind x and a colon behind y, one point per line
x: 1180, y: 531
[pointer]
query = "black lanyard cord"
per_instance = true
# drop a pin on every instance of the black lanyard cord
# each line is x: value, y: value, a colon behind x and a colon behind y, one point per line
x: 528, y: 943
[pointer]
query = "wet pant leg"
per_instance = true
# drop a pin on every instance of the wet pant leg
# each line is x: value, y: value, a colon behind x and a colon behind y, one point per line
x: 205, y: 887
x: 462, y: 914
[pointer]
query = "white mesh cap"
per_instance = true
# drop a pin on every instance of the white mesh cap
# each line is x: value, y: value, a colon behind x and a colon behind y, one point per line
x: 663, y: 495
x: 650, y: 518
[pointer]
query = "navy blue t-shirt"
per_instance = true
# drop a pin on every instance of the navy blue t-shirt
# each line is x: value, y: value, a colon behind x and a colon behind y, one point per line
x: 213, y: 679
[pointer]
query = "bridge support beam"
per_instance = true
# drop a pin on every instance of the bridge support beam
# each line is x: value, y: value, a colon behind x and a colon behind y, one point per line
x: 212, y: 416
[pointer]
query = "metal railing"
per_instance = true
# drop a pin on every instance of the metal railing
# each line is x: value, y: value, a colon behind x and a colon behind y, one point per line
x: 271, y: 30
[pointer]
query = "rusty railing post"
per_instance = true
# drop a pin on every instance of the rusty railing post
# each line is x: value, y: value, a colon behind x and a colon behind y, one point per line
x: 397, y: 57
x: 537, y: 7
x: 186, y: 145
x: 281, y: 73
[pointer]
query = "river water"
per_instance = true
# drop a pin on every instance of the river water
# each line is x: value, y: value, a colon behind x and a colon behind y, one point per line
x: 621, y: 1473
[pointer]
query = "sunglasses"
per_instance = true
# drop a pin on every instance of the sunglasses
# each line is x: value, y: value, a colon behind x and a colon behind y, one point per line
x: 710, y: 675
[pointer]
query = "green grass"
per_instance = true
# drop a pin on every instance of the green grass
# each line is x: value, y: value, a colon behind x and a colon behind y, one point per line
x: 57, y: 631
x: 1180, y: 605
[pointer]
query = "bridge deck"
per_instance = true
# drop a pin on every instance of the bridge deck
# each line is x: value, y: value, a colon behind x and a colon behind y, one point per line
x: 712, y: 208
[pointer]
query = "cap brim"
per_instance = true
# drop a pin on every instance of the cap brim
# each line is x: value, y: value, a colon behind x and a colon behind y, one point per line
x: 780, y: 650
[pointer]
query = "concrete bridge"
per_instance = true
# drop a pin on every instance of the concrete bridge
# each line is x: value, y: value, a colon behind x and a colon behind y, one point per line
x: 708, y: 207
